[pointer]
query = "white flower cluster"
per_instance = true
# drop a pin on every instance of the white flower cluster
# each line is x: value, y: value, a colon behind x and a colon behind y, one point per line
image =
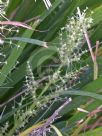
x: 1, y: 41
x: 56, y: 75
x: 4, y: 129
x: 31, y: 84
x: 4, y: 29
x: 85, y: 21
x: 71, y: 38
x: 3, y: 5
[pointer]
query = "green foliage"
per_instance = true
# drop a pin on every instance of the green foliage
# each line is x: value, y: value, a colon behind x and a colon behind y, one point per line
x: 34, y: 78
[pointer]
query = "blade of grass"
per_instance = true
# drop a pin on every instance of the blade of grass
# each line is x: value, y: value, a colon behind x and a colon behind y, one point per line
x: 29, y: 40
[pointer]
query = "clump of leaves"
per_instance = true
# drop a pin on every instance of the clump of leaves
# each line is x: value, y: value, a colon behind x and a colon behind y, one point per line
x: 38, y: 93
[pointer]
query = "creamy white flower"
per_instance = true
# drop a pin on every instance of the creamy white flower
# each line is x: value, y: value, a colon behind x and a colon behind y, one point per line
x: 1, y: 42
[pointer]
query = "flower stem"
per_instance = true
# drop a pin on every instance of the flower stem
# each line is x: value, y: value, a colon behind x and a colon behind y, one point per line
x: 93, y: 56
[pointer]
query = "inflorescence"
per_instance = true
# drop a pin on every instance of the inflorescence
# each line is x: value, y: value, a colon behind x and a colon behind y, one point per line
x: 30, y: 103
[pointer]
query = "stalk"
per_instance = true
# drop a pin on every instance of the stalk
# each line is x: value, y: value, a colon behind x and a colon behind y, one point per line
x: 93, y: 55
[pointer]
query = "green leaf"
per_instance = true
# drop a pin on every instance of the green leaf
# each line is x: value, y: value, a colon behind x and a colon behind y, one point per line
x: 29, y: 40
x: 36, y: 59
x: 83, y: 93
x: 77, y: 131
x: 95, y: 132
x: 56, y: 130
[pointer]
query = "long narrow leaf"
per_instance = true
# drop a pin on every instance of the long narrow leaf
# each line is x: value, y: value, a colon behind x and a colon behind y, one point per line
x: 29, y: 40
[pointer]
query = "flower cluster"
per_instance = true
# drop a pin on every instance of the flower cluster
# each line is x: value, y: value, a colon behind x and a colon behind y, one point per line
x: 5, y: 30
x: 51, y: 88
x: 71, y: 38
x: 85, y: 21
x: 3, y: 5
x: 4, y: 129
x: 31, y: 84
